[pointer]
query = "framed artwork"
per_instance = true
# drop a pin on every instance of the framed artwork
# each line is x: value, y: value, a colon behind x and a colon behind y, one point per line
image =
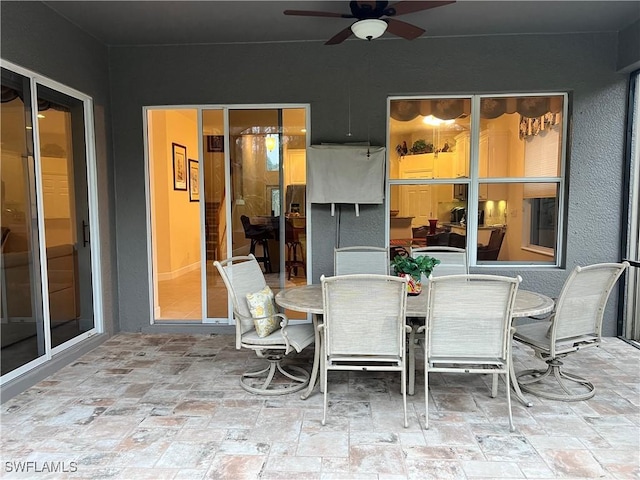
x: 215, y: 143
x: 194, y: 186
x: 179, y: 166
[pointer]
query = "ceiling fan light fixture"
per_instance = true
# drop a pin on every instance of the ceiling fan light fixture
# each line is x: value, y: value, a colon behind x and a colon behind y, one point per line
x: 369, y: 29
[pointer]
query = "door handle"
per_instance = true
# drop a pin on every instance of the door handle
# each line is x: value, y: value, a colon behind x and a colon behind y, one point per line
x: 85, y: 225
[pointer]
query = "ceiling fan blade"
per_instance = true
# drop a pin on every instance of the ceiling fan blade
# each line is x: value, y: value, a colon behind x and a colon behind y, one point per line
x: 339, y: 37
x: 402, y: 8
x: 403, y: 29
x: 307, y: 13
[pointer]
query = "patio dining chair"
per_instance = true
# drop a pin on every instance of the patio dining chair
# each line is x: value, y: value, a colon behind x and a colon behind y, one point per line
x: 361, y: 259
x: 576, y: 323
x: 364, y: 327
x: 468, y: 329
x: 261, y: 328
x: 453, y: 261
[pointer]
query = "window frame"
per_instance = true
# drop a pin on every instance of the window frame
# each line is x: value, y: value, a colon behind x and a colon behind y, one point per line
x: 474, y: 181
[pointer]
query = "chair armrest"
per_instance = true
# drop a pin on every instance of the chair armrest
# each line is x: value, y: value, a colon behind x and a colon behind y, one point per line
x: 408, y: 328
x: 421, y: 329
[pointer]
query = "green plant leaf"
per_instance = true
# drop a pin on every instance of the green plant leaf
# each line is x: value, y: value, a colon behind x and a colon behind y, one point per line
x: 414, y: 266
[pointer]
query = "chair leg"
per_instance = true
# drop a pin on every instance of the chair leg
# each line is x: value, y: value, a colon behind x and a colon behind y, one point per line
x: 403, y: 388
x: 323, y: 381
x: 508, y: 389
x: 265, y: 252
x: 426, y: 397
x: 299, y: 377
x: 494, y: 386
x: 544, y: 390
x: 412, y: 361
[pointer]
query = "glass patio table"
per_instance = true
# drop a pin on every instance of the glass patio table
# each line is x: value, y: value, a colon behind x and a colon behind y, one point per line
x: 308, y: 299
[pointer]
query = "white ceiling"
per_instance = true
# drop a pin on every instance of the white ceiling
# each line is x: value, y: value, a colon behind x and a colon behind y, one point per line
x: 120, y: 23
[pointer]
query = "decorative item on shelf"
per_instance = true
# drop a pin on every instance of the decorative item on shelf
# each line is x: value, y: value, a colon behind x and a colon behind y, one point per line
x: 414, y: 268
x: 402, y: 150
x: 421, y: 146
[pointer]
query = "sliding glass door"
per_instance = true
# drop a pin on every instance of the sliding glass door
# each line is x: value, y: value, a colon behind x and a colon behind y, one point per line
x: 264, y: 196
x: 239, y: 190
x: 47, y: 274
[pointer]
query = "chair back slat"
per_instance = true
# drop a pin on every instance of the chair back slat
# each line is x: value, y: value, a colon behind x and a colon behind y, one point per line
x: 580, y: 306
x: 469, y: 316
x: 241, y: 275
x: 361, y: 260
x: 364, y: 315
x: 453, y: 261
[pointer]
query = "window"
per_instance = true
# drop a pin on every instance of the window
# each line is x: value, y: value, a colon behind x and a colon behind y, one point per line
x: 272, y: 144
x: 542, y: 225
x: 481, y: 171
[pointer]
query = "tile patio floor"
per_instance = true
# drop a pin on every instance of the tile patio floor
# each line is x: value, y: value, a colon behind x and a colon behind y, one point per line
x: 170, y: 407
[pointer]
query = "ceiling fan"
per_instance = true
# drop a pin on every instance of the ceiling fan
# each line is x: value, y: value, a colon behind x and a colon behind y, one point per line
x: 370, y: 23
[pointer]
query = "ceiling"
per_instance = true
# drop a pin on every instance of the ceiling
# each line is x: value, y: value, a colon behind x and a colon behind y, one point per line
x: 121, y: 23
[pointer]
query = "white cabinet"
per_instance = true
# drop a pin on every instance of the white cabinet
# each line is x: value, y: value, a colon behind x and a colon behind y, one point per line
x: 444, y: 164
x: 493, y: 158
x: 462, y: 158
x: 295, y: 167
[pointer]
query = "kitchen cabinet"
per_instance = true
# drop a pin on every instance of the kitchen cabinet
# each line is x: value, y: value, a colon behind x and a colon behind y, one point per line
x: 493, y: 160
x: 461, y: 164
x: 444, y: 164
x: 295, y: 170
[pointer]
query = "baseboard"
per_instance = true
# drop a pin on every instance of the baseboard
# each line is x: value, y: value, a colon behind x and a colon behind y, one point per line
x: 179, y: 272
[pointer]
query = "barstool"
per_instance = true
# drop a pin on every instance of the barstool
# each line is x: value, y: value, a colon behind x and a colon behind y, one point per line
x: 258, y: 235
x: 292, y: 238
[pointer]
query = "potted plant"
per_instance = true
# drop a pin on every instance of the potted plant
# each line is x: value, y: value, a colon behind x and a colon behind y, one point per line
x: 414, y: 268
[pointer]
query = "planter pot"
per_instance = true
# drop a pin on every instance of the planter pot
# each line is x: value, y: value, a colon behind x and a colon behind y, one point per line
x: 414, y: 287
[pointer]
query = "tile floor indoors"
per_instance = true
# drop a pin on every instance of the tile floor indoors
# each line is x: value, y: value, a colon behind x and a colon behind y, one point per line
x: 170, y: 407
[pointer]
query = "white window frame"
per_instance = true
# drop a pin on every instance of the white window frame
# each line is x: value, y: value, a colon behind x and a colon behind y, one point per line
x: 474, y: 181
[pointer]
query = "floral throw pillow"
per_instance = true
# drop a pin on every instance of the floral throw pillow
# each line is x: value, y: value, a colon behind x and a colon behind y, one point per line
x: 261, y: 305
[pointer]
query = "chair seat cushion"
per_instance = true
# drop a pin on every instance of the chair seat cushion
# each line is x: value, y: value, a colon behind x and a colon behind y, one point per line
x: 300, y: 336
x: 261, y: 306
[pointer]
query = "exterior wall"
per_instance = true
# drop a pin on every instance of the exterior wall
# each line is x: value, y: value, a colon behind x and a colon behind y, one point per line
x: 34, y: 37
x: 356, y: 73
x: 365, y: 73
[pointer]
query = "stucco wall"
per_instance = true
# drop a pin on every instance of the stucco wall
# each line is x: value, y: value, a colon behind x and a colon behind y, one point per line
x: 326, y: 77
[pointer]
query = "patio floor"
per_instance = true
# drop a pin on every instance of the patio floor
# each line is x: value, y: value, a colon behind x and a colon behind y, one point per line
x: 170, y: 407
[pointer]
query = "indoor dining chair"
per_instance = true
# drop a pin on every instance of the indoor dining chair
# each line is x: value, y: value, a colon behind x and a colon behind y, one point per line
x: 364, y: 327
x: 361, y: 259
x: 468, y: 329
x: 576, y: 323
x: 453, y: 261
x: 261, y: 328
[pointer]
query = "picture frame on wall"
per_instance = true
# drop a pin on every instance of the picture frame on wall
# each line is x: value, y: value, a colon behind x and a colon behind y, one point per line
x: 194, y: 186
x: 215, y: 143
x: 179, y: 166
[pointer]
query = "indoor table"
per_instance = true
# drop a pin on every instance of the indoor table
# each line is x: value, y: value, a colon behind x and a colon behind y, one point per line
x: 308, y: 299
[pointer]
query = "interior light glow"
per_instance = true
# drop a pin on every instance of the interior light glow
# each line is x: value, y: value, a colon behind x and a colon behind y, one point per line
x: 435, y: 121
x: 270, y: 142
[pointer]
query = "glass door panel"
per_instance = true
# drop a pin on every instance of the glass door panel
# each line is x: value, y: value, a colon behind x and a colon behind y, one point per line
x: 22, y: 321
x: 255, y: 153
x: 173, y: 148
x: 215, y: 205
x: 45, y: 188
x: 66, y: 214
